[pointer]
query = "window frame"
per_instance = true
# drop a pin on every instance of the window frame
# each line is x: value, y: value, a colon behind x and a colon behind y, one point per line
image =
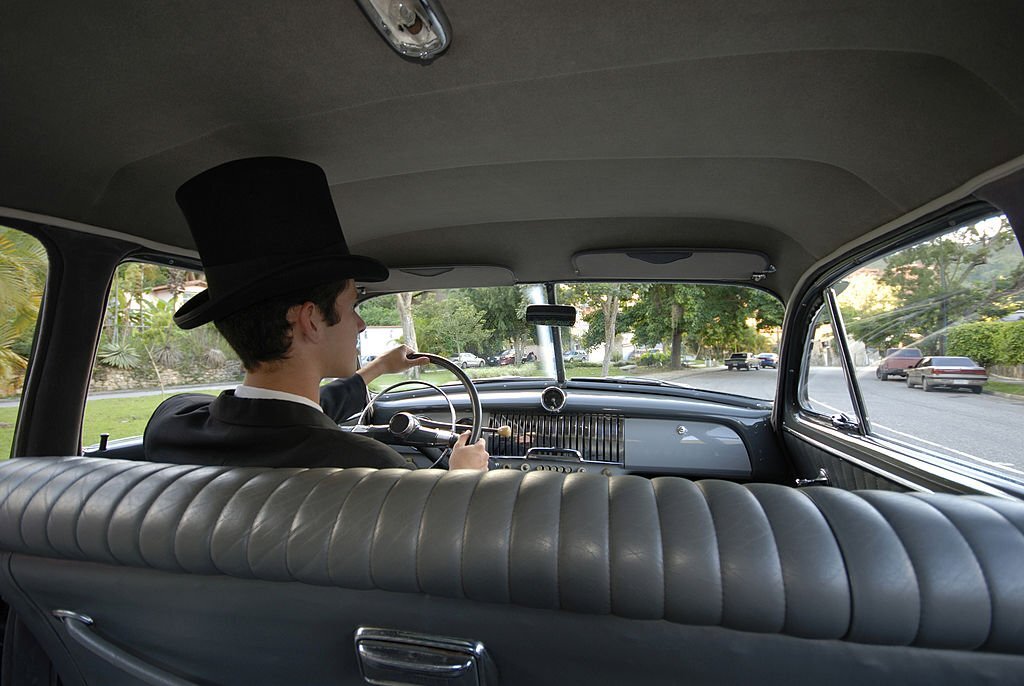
x: 922, y: 469
x: 44, y: 315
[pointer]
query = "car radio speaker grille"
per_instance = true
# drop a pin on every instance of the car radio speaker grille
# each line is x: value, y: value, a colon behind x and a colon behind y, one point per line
x: 595, y: 437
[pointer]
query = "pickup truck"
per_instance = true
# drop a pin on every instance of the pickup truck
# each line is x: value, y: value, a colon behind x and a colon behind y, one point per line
x: 896, y: 362
x: 739, y: 361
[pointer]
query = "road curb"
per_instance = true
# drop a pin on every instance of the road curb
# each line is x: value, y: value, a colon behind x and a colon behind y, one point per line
x: 1011, y: 396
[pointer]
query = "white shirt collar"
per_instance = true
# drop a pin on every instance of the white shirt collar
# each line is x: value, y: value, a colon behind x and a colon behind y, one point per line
x: 243, y: 391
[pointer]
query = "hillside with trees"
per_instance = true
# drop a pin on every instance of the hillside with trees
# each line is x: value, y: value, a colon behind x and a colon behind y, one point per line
x: 972, y: 274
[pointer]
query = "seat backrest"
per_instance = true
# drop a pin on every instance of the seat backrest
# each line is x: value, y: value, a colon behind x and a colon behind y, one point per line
x: 238, y: 575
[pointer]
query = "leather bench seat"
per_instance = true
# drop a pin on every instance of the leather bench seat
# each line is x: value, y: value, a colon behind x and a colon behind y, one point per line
x: 874, y: 568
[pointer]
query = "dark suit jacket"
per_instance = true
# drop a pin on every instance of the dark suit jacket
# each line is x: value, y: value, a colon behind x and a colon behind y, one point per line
x: 246, y: 432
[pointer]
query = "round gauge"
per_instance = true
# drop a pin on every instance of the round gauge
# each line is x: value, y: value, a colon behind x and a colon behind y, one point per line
x: 552, y: 399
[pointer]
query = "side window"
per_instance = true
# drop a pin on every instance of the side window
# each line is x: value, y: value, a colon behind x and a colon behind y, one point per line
x: 825, y: 388
x: 936, y: 332
x: 143, y: 357
x: 23, y: 267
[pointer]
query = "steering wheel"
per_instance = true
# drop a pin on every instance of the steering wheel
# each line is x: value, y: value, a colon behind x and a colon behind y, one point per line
x: 414, y: 429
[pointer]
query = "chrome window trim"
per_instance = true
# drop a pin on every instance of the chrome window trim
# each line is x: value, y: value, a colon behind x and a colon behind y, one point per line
x: 846, y: 359
x: 886, y: 453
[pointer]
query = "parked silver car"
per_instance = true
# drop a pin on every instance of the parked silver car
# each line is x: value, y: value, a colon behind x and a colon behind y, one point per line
x: 947, y: 372
x: 575, y: 356
x: 466, y: 360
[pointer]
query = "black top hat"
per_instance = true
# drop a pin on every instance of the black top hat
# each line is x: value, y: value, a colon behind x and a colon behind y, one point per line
x: 264, y: 226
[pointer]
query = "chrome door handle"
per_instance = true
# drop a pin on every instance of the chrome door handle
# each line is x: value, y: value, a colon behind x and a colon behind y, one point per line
x: 820, y: 480
x: 387, y: 656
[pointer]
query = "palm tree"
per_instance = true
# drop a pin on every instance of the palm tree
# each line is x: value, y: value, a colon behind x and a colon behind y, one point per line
x: 23, y: 267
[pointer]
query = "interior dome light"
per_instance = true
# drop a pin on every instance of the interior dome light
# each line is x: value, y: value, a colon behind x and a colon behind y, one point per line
x: 414, y: 28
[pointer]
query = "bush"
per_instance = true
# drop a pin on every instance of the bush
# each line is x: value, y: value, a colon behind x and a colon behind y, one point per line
x: 1010, y: 342
x: 526, y: 369
x: 989, y: 343
x: 653, y: 360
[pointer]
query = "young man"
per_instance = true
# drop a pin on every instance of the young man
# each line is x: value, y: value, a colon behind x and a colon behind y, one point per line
x: 282, y: 292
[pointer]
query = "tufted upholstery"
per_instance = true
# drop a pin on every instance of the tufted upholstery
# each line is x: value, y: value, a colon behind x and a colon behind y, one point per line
x: 869, y: 567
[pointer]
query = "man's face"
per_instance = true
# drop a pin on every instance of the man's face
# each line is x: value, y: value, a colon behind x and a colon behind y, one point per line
x: 341, y: 339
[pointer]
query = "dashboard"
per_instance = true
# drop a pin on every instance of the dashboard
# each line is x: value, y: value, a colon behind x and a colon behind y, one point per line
x: 592, y: 427
x: 609, y: 428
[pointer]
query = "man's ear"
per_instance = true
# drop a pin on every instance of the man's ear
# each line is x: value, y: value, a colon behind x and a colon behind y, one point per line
x: 306, y: 320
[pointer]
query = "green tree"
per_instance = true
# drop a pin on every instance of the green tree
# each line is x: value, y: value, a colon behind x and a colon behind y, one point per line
x: 23, y: 266
x: 708, y: 319
x: 662, y: 314
x: 504, y: 314
x: 601, y: 303
x: 380, y: 311
x: 719, y: 320
x: 450, y: 325
x: 940, y: 283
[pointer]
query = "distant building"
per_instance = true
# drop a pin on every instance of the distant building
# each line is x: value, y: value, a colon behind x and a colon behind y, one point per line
x: 165, y: 293
x: 377, y: 340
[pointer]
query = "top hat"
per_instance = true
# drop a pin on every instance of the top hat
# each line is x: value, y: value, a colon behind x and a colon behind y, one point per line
x: 264, y: 226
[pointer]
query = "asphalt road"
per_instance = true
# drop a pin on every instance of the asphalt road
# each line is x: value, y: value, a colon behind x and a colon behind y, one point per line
x: 982, y: 429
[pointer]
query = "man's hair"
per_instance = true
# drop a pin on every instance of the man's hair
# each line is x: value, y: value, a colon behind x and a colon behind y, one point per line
x: 261, y: 333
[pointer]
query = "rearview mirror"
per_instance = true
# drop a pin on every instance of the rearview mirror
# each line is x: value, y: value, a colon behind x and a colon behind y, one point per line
x: 551, y: 315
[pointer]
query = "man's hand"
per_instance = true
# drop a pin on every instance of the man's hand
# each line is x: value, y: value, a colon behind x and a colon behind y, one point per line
x: 468, y: 456
x: 391, y: 362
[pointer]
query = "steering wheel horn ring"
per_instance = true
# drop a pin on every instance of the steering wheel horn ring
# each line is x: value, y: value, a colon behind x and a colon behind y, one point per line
x: 475, y: 429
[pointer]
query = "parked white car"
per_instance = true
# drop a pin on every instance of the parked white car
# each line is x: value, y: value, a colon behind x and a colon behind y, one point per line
x: 466, y: 360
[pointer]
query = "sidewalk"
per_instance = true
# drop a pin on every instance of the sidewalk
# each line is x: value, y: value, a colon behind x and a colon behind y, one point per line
x: 675, y: 373
x: 170, y: 390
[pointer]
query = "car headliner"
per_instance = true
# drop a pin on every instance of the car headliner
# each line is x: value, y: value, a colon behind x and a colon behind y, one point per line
x: 788, y: 128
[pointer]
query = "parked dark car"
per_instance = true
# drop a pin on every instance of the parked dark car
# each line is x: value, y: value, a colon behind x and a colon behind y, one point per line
x: 896, y: 362
x: 947, y: 372
x: 769, y: 360
x: 745, y: 361
x: 502, y: 359
x: 633, y: 530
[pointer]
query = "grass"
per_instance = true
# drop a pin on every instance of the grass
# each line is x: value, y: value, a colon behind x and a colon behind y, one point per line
x: 119, y: 417
x: 1005, y: 387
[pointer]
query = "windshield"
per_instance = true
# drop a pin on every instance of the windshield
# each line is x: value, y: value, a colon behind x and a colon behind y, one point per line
x: 657, y: 333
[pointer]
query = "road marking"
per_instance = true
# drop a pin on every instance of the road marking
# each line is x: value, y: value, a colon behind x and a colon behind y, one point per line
x: 1001, y: 465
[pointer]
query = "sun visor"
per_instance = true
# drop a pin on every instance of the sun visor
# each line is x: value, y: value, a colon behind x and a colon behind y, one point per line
x: 433, y: 277
x: 654, y: 264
